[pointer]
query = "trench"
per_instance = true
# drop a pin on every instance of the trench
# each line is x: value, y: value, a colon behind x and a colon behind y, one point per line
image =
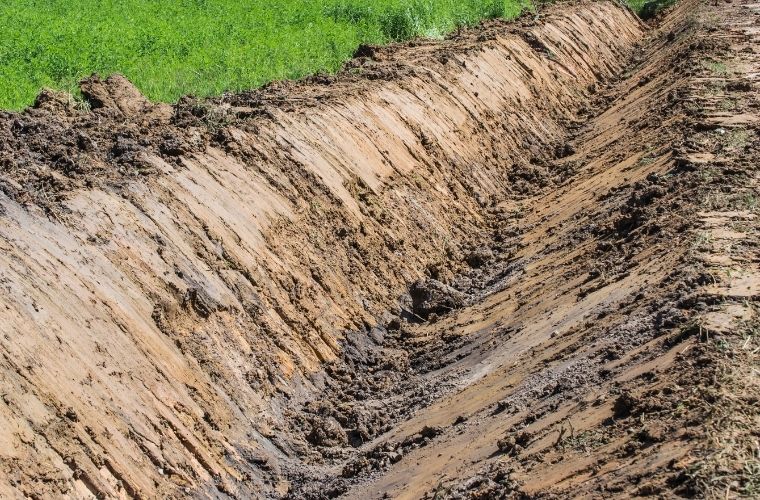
x: 344, y: 284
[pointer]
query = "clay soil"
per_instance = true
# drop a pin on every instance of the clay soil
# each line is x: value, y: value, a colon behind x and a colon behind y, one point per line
x: 521, y: 262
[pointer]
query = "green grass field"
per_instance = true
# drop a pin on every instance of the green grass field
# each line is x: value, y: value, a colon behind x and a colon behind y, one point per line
x: 169, y: 48
x: 205, y: 47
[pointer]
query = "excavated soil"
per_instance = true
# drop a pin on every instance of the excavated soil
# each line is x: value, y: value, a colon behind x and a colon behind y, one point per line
x: 521, y: 262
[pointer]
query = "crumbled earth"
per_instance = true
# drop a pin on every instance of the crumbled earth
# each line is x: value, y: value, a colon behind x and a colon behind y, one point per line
x: 521, y: 262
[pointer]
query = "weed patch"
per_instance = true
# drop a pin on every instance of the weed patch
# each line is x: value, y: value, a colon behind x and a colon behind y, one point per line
x: 647, y: 9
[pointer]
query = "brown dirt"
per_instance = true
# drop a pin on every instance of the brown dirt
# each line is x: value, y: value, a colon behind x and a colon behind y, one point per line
x: 520, y: 262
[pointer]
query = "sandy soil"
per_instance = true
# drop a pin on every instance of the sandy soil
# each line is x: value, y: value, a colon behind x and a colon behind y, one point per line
x: 521, y: 262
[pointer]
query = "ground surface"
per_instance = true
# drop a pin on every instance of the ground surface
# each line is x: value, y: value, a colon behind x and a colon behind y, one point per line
x: 522, y: 262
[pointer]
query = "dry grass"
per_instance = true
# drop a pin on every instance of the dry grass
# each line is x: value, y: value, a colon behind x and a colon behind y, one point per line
x: 728, y: 464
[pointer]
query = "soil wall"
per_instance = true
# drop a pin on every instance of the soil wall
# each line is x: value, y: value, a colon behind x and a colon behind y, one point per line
x: 174, y: 278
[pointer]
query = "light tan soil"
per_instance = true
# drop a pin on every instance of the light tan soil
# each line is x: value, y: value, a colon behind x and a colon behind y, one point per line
x: 521, y: 262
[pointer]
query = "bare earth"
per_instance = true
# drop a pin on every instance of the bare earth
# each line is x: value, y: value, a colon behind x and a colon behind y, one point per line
x: 521, y: 262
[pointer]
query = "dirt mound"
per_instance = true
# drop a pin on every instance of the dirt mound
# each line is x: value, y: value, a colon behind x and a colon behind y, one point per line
x: 430, y: 297
x: 461, y: 268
